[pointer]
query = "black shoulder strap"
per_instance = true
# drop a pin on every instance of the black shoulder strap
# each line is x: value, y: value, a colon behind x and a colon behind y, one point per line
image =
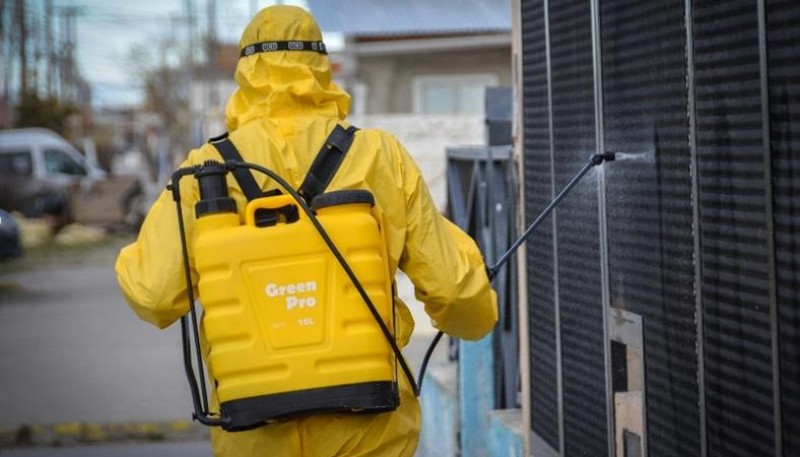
x: 326, y: 163
x: 243, y: 176
x: 323, y: 168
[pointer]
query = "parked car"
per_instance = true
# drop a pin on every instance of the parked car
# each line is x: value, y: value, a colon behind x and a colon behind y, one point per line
x: 10, y: 242
x: 41, y: 173
x: 39, y: 170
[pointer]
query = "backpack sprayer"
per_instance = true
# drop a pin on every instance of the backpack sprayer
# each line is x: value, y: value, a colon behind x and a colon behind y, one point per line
x: 284, y: 337
x: 268, y: 361
x: 492, y: 271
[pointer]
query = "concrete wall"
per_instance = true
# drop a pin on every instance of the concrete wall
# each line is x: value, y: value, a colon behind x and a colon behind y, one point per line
x: 458, y: 415
x: 506, y: 433
x: 439, y: 403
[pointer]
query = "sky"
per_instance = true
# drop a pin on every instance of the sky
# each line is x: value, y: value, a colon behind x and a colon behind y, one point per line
x: 107, y: 31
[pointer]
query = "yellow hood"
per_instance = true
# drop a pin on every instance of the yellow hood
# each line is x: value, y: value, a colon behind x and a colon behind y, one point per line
x: 283, y: 84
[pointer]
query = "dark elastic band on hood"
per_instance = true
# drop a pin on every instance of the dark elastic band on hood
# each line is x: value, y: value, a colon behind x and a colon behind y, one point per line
x: 271, y: 46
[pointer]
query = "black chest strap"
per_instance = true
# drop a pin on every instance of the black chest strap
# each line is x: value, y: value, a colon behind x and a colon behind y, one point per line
x: 326, y: 163
x: 320, y: 174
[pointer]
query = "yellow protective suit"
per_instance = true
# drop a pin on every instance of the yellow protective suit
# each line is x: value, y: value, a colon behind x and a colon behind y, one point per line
x: 282, y: 112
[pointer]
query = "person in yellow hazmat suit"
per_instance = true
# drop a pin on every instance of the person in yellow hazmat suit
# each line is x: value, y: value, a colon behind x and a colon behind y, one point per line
x: 282, y: 111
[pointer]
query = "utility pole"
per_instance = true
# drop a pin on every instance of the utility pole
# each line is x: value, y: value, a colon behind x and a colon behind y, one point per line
x: 4, y: 44
x: 23, y: 54
x: 37, y: 41
x: 5, y: 63
x: 191, y: 23
x: 49, y: 48
x: 211, y: 60
x: 211, y: 43
x: 68, y: 73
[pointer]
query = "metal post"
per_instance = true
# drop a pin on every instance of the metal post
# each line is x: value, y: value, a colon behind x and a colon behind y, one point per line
x: 48, y: 48
x: 518, y: 138
x: 23, y: 52
x: 556, y: 295
x: 773, y: 301
x: 602, y: 222
x: 698, y: 267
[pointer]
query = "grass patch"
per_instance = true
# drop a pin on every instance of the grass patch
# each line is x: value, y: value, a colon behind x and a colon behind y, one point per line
x: 52, y: 254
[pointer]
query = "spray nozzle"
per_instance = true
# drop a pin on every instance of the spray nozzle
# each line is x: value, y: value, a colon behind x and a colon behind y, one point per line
x: 597, y: 159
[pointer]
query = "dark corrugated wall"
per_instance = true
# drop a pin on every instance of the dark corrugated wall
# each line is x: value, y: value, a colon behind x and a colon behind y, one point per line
x: 783, y: 35
x: 649, y: 206
x: 578, y: 265
x: 733, y: 229
x: 577, y: 230
x: 540, y: 259
x: 677, y: 103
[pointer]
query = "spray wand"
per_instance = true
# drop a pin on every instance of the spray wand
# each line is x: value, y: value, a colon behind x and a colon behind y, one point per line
x: 211, y: 173
x: 492, y: 271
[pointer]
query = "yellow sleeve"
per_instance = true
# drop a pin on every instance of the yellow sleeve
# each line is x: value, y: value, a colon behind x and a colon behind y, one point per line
x: 445, y: 265
x: 150, y: 271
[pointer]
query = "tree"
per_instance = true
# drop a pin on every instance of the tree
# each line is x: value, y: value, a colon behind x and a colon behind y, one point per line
x: 48, y: 112
x: 156, y: 66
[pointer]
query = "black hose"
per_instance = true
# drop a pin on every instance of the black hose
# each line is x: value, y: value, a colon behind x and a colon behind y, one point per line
x: 199, y: 402
x: 427, y: 357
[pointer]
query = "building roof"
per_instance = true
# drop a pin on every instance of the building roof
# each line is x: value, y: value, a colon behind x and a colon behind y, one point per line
x: 386, y: 18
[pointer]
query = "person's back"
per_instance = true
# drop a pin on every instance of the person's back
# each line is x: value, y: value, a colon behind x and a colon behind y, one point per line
x: 280, y: 116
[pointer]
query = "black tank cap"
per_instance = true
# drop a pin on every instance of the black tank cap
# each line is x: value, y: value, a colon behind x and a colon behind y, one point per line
x: 213, y: 190
x: 342, y: 197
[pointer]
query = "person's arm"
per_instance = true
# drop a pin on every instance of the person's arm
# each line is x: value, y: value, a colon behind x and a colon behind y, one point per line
x: 444, y: 265
x: 150, y: 271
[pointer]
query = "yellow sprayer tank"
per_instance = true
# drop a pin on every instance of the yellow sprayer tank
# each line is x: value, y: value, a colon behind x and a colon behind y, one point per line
x: 288, y: 332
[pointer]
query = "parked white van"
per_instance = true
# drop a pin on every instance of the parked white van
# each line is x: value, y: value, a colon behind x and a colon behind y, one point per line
x: 43, y: 154
x: 39, y: 170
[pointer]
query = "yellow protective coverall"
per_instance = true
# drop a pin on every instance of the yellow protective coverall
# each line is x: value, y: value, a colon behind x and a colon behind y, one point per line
x: 281, y: 113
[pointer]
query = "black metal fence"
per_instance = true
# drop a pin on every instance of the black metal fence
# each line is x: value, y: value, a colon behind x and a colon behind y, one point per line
x: 481, y: 184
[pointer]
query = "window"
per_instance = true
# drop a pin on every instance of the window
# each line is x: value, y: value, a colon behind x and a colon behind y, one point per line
x: 56, y: 161
x: 16, y: 163
x: 451, y: 93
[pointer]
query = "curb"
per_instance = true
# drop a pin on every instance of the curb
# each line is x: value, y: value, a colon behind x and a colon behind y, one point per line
x: 81, y: 433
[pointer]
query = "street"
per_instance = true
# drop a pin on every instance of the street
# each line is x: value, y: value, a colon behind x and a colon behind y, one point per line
x: 190, y: 449
x: 72, y: 353
x: 71, y: 350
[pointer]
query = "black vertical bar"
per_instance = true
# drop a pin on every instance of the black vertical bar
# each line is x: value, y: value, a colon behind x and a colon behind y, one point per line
x: 545, y: 394
x: 597, y: 64
x: 698, y: 266
x: 737, y: 332
x: 773, y: 303
x: 556, y: 301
